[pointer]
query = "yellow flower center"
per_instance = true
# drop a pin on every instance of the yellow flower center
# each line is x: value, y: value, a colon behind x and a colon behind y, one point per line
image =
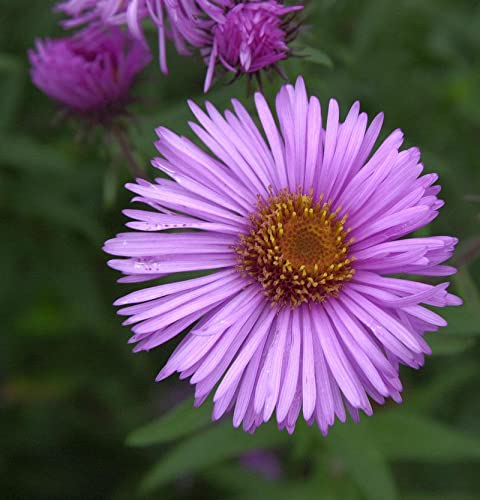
x: 296, y: 249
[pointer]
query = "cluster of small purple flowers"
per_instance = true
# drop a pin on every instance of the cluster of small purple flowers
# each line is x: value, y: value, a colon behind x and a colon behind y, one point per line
x: 293, y: 225
x: 91, y: 72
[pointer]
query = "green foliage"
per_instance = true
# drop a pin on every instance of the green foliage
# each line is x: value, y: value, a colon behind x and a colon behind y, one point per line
x: 207, y: 449
x: 179, y: 422
x: 358, y: 448
x: 316, y: 56
x: 71, y: 390
x: 403, y: 436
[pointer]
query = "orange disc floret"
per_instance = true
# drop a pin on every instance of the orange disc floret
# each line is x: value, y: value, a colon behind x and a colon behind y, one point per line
x: 296, y: 248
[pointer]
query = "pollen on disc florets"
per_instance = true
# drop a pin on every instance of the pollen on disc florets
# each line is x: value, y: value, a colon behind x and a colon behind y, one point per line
x: 296, y: 248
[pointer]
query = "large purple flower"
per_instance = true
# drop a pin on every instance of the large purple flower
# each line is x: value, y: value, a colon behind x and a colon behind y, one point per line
x: 243, y: 37
x: 90, y: 73
x: 294, y: 238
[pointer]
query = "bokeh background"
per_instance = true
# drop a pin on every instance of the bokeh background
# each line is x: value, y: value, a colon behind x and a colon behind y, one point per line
x: 81, y: 416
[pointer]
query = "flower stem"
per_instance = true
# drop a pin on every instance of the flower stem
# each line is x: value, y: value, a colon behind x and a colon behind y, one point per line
x: 124, y: 144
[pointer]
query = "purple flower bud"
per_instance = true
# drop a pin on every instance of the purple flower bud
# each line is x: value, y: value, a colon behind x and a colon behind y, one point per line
x: 90, y: 73
x: 251, y: 36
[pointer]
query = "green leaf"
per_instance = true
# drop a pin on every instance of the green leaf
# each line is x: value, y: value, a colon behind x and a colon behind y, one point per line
x: 26, y: 154
x: 243, y: 483
x: 463, y: 320
x: 449, y: 344
x: 403, y: 436
x: 9, y: 63
x: 218, y: 443
x: 365, y: 461
x: 181, y: 421
x: 12, y: 85
x: 467, y: 288
x: 59, y: 210
x: 441, y: 496
x: 425, y: 396
x: 317, y: 56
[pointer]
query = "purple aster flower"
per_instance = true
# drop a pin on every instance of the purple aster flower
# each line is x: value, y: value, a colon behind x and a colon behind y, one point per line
x: 294, y: 237
x: 90, y: 73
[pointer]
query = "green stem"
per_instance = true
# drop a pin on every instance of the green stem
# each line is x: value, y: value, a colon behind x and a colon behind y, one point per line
x: 124, y: 144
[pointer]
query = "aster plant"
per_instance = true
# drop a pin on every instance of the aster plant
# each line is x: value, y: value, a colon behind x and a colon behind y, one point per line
x: 91, y: 74
x: 293, y: 240
x: 241, y: 37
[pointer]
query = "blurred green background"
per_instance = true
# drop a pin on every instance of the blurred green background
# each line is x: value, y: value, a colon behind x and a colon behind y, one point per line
x: 74, y: 400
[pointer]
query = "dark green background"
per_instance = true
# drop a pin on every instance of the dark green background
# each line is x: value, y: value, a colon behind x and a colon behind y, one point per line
x: 70, y: 389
